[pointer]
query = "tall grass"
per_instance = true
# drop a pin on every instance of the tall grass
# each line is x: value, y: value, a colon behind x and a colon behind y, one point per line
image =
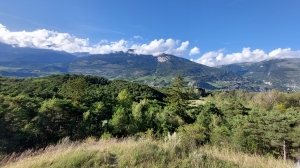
x: 137, y: 152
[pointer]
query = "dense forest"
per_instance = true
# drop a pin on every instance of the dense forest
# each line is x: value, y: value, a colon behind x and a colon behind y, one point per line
x: 37, y: 112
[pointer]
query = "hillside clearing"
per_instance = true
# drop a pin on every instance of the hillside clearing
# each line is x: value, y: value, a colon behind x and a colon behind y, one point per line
x: 144, y: 152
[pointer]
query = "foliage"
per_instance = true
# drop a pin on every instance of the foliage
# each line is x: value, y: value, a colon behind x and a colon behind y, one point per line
x: 178, y: 99
x: 37, y: 112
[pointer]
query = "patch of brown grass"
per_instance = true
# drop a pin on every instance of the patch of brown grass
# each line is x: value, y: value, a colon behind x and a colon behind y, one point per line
x: 142, y: 152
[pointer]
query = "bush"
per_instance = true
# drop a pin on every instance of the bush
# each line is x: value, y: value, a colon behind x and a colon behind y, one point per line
x: 192, y: 135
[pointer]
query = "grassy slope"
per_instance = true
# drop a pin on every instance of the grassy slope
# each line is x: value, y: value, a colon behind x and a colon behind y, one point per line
x: 144, y: 152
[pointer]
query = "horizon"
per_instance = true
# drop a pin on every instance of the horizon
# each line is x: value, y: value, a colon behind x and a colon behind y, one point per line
x: 210, y: 33
x: 129, y: 51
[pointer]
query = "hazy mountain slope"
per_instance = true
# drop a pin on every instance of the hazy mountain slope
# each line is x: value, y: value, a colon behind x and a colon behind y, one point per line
x: 10, y: 55
x: 282, y: 74
x: 25, y: 62
x: 181, y: 66
x: 119, y: 65
x: 149, y: 69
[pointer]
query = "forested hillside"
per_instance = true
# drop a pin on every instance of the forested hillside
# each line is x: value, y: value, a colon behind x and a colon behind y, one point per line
x: 38, y: 112
x: 149, y: 69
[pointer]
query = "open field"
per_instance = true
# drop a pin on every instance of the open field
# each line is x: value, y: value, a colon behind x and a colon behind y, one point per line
x: 197, y: 102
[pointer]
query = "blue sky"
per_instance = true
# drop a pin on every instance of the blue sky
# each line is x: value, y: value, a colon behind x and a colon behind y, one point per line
x: 223, y: 31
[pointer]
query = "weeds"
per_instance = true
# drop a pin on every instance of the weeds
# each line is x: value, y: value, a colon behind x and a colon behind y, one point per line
x: 142, y: 152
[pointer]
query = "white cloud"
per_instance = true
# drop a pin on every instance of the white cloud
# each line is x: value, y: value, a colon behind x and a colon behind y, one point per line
x: 47, y: 39
x: 183, y: 46
x: 214, y: 58
x: 43, y: 39
x: 138, y: 37
x: 101, y: 48
x: 284, y: 53
x: 194, y: 51
x: 157, y: 47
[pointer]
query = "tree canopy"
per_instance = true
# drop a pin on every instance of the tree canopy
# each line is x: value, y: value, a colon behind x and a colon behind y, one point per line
x: 36, y: 112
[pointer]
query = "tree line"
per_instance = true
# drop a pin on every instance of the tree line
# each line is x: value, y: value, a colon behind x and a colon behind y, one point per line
x: 36, y: 112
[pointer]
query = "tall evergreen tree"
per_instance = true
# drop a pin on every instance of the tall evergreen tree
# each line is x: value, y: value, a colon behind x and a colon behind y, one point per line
x: 178, y: 99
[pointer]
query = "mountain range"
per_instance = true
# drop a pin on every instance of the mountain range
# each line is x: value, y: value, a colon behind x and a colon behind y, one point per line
x: 282, y: 74
x: 159, y: 70
x: 152, y: 70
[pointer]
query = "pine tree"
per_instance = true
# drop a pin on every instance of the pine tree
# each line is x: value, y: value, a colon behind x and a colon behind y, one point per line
x: 178, y: 99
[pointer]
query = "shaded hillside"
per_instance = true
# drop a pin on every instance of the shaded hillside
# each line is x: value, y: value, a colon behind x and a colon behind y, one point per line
x: 283, y: 74
x: 31, y: 62
x: 147, y: 69
x: 19, y: 56
x: 150, y: 69
x: 72, y: 105
x: 120, y: 65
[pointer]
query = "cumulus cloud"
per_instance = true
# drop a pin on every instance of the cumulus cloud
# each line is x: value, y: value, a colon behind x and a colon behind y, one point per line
x: 215, y: 58
x: 183, y: 46
x: 157, y: 47
x: 43, y: 39
x: 48, y: 39
x: 194, y: 51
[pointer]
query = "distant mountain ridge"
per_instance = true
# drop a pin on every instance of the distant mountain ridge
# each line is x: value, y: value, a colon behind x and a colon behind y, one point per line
x: 149, y: 69
x: 283, y: 74
x: 152, y: 70
x: 24, y: 55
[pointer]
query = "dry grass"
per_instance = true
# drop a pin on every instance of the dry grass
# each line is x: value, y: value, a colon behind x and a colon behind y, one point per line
x: 137, y: 153
x: 245, y: 160
x: 197, y: 102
